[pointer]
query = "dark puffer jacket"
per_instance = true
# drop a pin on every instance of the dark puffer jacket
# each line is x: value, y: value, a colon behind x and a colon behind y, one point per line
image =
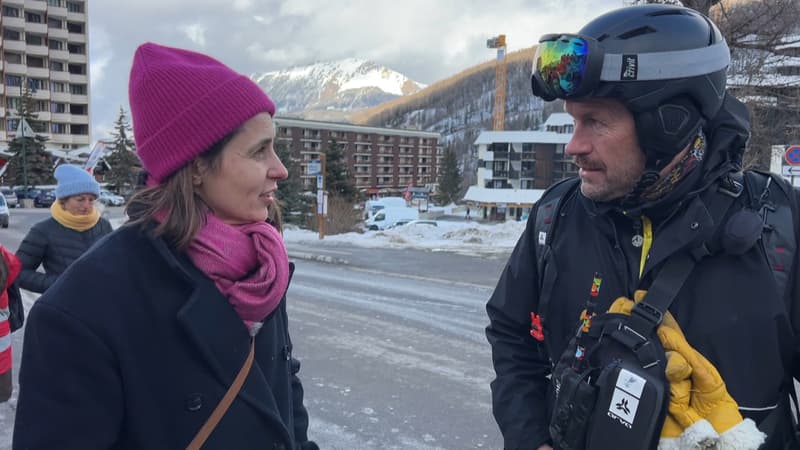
x: 56, y: 247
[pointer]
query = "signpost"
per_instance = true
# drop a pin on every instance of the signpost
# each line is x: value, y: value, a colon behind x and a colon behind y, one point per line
x: 791, y: 163
x: 317, y: 167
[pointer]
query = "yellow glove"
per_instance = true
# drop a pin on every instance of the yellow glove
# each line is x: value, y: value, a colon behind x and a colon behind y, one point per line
x: 683, y: 428
x: 709, y: 396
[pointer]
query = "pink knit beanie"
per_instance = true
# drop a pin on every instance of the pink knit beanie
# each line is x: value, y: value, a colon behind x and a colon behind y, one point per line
x: 183, y: 102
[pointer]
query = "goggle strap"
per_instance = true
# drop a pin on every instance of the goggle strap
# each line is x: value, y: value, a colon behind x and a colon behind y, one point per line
x: 665, y: 65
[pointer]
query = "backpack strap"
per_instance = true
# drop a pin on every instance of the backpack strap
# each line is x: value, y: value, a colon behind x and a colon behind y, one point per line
x: 547, y: 214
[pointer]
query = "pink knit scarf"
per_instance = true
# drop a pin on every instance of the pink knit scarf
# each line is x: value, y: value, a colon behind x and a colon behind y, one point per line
x: 248, y: 263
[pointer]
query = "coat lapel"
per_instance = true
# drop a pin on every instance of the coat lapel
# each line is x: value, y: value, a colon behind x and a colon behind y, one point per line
x: 221, y: 338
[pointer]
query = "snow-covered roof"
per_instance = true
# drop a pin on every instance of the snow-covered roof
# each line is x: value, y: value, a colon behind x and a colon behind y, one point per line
x: 524, y: 197
x: 558, y: 119
x: 536, y: 137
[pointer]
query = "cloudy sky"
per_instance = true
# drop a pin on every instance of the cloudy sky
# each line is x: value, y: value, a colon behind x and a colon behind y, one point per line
x: 426, y: 40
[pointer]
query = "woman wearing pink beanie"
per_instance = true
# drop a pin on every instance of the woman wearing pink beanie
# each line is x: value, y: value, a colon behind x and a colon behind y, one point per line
x: 181, y: 339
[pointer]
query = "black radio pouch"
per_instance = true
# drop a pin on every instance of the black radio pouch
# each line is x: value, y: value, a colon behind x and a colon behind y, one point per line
x: 619, y: 398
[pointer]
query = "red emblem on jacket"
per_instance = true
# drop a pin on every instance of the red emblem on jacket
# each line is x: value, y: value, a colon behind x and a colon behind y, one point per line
x: 537, y: 332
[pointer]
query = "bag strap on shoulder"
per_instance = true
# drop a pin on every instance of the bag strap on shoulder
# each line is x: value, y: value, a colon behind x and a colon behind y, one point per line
x: 223, y: 405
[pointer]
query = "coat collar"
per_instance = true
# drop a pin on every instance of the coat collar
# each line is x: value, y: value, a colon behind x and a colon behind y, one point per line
x: 220, y: 336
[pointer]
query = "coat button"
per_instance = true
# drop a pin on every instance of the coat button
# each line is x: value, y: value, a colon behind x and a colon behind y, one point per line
x: 194, y: 402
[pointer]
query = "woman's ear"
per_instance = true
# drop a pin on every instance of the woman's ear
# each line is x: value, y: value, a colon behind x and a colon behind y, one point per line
x: 199, y: 167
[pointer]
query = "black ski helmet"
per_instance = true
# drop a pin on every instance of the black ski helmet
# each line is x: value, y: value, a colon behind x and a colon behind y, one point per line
x: 666, y: 63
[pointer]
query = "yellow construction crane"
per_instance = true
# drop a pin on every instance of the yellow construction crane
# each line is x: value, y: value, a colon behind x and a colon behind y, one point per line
x: 499, y: 113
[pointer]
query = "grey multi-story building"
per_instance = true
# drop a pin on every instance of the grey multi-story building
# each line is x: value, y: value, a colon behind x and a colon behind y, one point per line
x: 381, y: 161
x: 45, y: 44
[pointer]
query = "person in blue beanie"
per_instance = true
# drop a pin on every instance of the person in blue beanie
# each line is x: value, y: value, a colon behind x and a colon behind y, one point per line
x: 74, y: 226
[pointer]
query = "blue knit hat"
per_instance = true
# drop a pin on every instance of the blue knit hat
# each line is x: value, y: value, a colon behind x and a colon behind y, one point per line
x: 72, y: 180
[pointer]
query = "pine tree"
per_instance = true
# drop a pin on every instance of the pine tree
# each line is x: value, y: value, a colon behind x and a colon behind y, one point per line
x: 124, y: 165
x: 290, y: 191
x: 337, y: 181
x: 31, y: 163
x: 450, y: 180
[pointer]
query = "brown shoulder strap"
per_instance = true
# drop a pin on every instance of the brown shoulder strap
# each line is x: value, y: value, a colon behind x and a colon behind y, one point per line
x: 225, y: 403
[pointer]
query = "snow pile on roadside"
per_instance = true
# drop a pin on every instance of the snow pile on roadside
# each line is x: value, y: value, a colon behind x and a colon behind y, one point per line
x: 447, y: 236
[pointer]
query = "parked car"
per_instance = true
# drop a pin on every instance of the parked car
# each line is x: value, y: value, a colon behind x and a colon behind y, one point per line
x: 5, y: 214
x: 390, y: 216
x: 45, y: 198
x: 32, y: 193
x: 414, y: 223
x: 109, y: 199
x: 11, y: 197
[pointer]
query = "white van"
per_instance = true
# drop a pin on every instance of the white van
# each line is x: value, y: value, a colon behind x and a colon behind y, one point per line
x: 373, y: 206
x: 389, y: 216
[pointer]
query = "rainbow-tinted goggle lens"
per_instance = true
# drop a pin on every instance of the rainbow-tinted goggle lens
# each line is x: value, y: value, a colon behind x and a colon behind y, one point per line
x: 566, y: 66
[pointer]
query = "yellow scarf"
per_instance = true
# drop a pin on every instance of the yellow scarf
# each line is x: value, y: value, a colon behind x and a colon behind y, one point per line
x: 71, y: 221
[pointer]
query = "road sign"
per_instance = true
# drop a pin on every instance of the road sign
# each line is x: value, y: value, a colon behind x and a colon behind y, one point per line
x: 792, y: 155
x: 789, y: 171
x: 320, y: 182
x: 314, y: 167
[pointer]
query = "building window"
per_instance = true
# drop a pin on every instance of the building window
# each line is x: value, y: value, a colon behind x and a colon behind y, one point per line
x: 57, y: 86
x: 79, y: 129
x: 13, y: 102
x: 58, y: 128
x: 11, y: 35
x: 34, y: 39
x: 12, y: 124
x: 56, y: 3
x: 55, y: 23
x: 12, y: 58
x: 75, y: 7
x: 58, y: 108
x: 77, y: 69
x: 55, y: 44
x: 40, y: 105
x: 13, y: 80
x: 10, y: 12
x: 77, y: 89
x: 56, y: 66
x: 33, y: 17
x: 75, y: 27
x: 36, y: 61
x: 78, y: 49
x: 79, y: 110
x: 36, y: 84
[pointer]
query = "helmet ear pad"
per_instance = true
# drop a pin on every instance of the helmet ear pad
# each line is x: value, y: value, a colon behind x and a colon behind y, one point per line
x: 665, y: 130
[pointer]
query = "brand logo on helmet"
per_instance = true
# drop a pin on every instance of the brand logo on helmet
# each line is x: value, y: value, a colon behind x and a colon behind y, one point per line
x: 630, y: 66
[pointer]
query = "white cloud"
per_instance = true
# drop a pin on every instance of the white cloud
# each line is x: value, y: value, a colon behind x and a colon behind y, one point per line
x: 196, y: 33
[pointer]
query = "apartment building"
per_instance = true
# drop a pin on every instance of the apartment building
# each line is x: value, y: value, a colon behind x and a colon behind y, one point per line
x: 44, y: 43
x: 381, y: 161
x: 515, y: 167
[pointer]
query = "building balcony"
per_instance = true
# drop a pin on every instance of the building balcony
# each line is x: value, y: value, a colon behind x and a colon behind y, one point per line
x: 60, y: 76
x: 500, y: 155
x: 76, y: 37
x: 526, y: 173
x: 57, y: 11
x: 61, y: 97
x: 13, y: 45
x: 17, y: 23
x: 58, y: 33
x: 78, y: 78
x: 76, y: 98
x: 16, y: 69
x: 38, y: 72
x: 36, y: 28
x: 59, y: 55
x: 36, y: 5
x: 37, y: 50
x: 514, y: 156
x: 77, y: 58
x: 41, y: 94
x: 499, y: 174
x: 76, y: 17
x: 528, y: 156
x: 78, y: 120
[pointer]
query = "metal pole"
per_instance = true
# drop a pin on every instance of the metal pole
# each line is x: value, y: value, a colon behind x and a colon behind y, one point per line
x: 24, y: 159
x: 321, y: 208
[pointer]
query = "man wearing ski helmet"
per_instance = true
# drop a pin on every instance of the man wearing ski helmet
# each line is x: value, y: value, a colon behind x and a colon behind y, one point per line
x: 659, y: 144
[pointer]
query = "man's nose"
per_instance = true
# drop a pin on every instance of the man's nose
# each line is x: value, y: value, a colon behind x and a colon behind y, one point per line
x: 578, y: 145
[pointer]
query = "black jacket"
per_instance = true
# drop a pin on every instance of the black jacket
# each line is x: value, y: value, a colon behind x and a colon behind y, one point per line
x: 133, y: 347
x: 54, y: 246
x: 729, y: 308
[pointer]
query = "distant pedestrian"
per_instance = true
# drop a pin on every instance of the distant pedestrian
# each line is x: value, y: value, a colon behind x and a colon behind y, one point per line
x: 74, y: 226
x: 140, y: 344
x: 9, y: 269
x: 467, y: 216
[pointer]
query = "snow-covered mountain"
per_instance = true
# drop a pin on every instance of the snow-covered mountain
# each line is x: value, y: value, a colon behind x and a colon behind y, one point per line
x: 334, y: 89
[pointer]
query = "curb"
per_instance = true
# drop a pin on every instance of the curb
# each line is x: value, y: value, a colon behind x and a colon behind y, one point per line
x: 318, y: 258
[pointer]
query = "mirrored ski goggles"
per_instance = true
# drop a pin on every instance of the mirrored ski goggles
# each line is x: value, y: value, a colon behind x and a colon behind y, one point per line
x: 572, y: 66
